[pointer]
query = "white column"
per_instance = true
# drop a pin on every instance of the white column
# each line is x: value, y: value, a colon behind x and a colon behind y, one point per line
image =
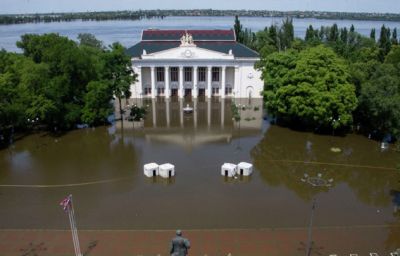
x: 195, y: 90
x: 153, y: 82
x: 222, y: 113
x: 167, y: 112
x: 195, y: 112
x: 180, y: 90
x: 236, y: 83
x: 181, y: 111
x: 209, y: 112
x: 137, y: 88
x: 153, y: 106
x: 209, y: 68
x: 223, y: 83
x: 166, y: 79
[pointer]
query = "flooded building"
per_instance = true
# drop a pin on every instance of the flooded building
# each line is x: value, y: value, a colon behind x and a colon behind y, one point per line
x: 194, y: 63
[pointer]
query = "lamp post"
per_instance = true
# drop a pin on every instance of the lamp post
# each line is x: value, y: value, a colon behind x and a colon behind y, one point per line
x: 315, y: 182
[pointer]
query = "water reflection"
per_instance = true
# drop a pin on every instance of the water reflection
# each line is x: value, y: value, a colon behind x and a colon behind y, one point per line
x: 241, y: 179
x: 210, y: 122
x: 283, y: 156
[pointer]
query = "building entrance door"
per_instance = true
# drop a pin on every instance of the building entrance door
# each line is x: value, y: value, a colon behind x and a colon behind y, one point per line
x: 202, y: 92
x: 188, y: 92
x: 174, y: 92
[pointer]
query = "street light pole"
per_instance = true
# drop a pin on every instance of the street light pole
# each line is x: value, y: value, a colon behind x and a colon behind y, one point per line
x: 317, y: 181
x: 309, y: 243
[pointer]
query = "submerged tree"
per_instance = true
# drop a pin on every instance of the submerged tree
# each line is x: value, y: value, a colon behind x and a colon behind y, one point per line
x: 310, y: 88
x: 119, y: 73
x: 380, y: 102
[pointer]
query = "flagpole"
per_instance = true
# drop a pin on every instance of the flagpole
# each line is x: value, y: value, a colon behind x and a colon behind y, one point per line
x: 68, y: 207
x: 75, y: 229
x: 72, y: 228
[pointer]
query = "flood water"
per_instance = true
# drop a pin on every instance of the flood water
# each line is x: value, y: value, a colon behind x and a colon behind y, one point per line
x: 103, y: 169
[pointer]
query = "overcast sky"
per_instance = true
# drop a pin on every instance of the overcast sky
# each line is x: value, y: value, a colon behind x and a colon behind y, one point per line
x: 33, y: 6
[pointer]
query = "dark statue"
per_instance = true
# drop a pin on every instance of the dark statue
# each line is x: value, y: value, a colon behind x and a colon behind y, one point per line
x: 179, y: 245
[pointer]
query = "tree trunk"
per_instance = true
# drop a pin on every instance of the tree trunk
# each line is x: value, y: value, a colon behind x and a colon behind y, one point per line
x: 120, y: 107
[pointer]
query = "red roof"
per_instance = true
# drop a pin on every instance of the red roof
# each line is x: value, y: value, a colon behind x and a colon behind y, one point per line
x: 198, y: 35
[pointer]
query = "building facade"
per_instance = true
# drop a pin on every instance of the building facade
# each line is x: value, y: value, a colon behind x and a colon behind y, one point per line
x: 194, y: 63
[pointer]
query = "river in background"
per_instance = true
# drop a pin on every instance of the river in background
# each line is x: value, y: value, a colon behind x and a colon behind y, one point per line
x: 129, y: 32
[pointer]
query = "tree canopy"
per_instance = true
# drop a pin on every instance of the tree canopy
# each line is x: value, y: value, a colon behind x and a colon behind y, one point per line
x: 333, y: 73
x: 57, y: 83
x: 311, y: 87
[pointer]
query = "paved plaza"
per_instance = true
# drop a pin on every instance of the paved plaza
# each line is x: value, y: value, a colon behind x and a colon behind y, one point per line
x: 328, y: 241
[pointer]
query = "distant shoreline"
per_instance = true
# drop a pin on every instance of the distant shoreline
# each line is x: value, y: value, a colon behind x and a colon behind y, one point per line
x: 8, y: 19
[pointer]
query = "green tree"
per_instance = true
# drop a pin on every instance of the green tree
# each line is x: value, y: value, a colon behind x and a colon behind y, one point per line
x: 97, y: 103
x: 344, y: 35
x: 362, y: 65
x: 322, y: 34
x: 238, y: 30
x: 119, y: 73
x: 309, y: 34
x: 263, y: 43
x: 384, y: 42
x: 333, y: 35
x: 393, y: 56
x: 273, y: 35
x: 372, y: 35
x: 90, y: 40
x: 311, y: 87
x: 287, y: 34
x: 394, y: 37
x: 380, y: 102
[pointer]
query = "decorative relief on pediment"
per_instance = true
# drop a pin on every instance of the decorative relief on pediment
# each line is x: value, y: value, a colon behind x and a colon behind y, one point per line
x: 188, y: 54
x: 187, y: 40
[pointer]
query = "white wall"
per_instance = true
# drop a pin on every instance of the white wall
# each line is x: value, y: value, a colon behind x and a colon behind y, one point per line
x: 230, y: 76
x: 250, y: 82
x: 136, y: 88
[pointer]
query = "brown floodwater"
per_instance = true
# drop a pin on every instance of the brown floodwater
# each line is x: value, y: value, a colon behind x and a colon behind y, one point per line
x: 103, y: 169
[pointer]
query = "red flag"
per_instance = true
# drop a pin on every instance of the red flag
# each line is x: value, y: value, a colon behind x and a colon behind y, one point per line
x: 65, y: 203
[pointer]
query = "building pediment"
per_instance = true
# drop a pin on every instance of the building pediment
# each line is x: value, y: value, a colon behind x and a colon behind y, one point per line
x: 187, y: 52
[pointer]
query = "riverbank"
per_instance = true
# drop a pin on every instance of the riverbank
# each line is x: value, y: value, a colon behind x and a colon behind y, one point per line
x: 282, y: 242
x: 7, y: 19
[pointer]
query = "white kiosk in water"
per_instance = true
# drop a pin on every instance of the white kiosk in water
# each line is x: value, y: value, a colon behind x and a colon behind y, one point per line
x: 151, y: 169
x: 228, y: 170
x: 244, y: 169
x: 167, y: 170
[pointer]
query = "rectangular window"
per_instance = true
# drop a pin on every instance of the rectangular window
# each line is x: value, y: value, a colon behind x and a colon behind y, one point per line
x: 215, y: 91
x: 188, y: 74
x: 160, y: 91
x: 202, y: 74
x: 174, y: 74
x: 160, y: 74
x: 215, y: 74
x: 228, y: 90
x: 147, y: 91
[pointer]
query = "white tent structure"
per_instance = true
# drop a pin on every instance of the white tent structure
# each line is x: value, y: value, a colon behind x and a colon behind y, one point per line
x: 245, y: 169
x: 228, y: 170
x: 167, y: 170
x: 151, y: 170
